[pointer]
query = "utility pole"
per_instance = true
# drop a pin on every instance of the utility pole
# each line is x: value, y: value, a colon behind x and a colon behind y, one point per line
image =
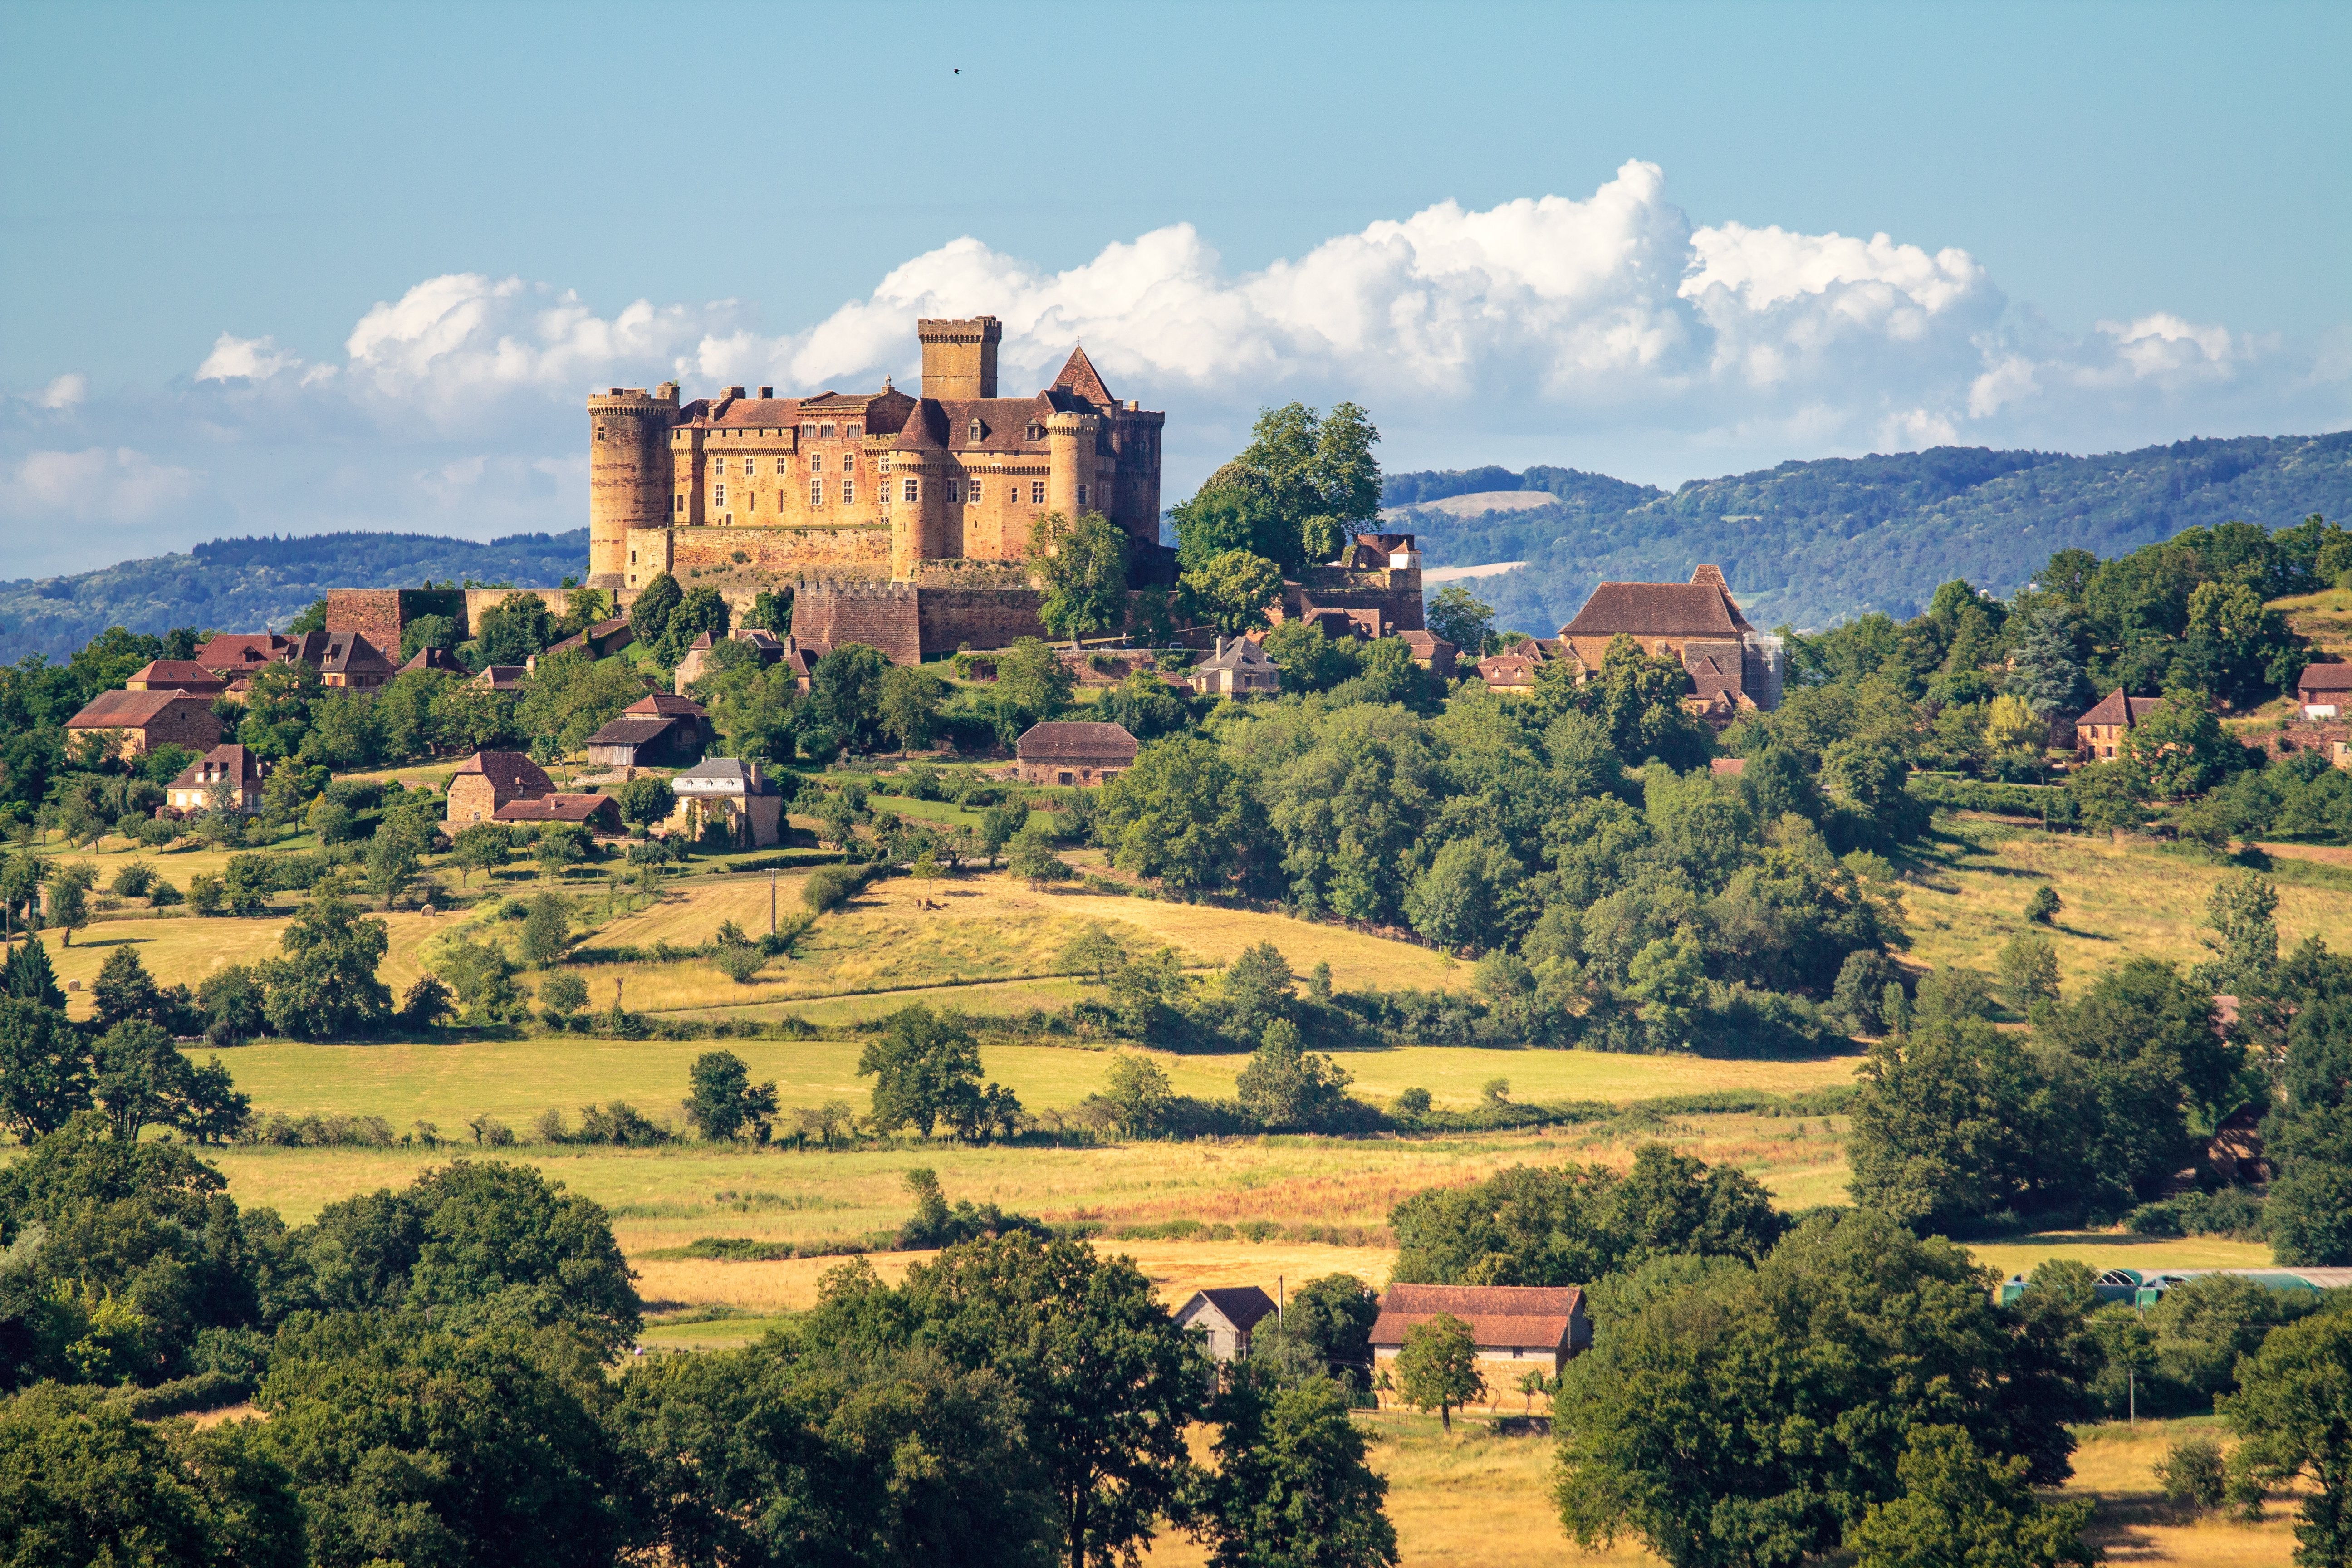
x: 772, y: 903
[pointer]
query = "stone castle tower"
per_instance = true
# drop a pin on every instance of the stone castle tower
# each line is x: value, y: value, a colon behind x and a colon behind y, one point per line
x: 628, y: 473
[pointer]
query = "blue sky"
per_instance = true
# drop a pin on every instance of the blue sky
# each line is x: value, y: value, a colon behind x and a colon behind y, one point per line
x: 257, y: 263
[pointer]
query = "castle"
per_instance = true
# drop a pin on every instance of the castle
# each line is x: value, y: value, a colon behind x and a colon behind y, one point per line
x: 902, y: 522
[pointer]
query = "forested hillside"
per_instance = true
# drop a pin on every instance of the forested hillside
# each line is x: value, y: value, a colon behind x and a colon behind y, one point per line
x: 245, y: 584
x: 1814, y: 543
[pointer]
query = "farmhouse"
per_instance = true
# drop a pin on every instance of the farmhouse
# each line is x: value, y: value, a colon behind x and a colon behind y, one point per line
x: 1075, y: 754
x: 176, y: 675
x: 350, y: 660
x: 488, y: 780
x: 1731, y: 666
x: 2100, y: 734
x: 1225, y: 1318
x: 736, y: 796
x: 142, y: 721
x: 599, y: 814
x: 1516, y: 1327
x: 1237, y: 669
x: 2325, y: 690
x: 229, y: 768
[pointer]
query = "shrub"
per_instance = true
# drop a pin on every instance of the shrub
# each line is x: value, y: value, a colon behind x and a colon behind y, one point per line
x: 831, y: 888
x: 2193, y: 1475
x: 206, y: 894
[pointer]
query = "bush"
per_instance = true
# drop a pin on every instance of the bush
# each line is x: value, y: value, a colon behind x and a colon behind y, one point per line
x: 831, y: 888
x: 2193, y: 1475
x: 132, y: 881
x: 2233, y: 1212
x: 208, y: 895
x: 163, y: 895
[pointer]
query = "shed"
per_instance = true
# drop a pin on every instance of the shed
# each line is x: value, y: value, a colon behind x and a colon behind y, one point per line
x: 661, y: 730
x: 1067, y: 752
x: 2325, y: 690
x: 1226, y: 1317
x: 1515, y: 1326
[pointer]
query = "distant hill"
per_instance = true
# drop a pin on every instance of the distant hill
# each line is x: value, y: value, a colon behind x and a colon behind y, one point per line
x: 245, y: 584
x: 1813, y: 543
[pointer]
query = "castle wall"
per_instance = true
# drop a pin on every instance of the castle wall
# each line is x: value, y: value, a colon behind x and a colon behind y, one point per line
x: 1394, y: 595
x: 885, y: 616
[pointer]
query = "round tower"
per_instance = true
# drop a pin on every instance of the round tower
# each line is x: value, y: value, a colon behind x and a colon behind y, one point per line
x: 1070, y: 463
x: 629, y: 473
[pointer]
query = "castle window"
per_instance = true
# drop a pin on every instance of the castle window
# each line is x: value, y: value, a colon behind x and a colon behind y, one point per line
x: 885, y: 464
x: 681, y: 503
x: 817, y: 462
x: 955, y: 491
x: 718, y: 495
x: 827, y: 431
x: 751, y: 500
x: 783, y: 464
x: 1082, y: 495
x: 972, y: 492
x: 855, y: 431
x: 913, y: 491
x: 1035, y: 432
x: 600, y: 432
x: 848, y: 492
x: 1036, y: 492
x: 816, y: 493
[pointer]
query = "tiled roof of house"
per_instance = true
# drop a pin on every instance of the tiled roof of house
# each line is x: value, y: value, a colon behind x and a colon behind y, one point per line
x: 231, y: 764
x: 1241, y: 653
x: 348, y: 653
x: 2117, y: 708
x: 508, y: 770
x: 1700, y: 607
x: 1074, y: 740
x: 1499, y: 1316
x: 2329, y: 677
x: 663, y: 704
x: 125, y: 710
x: 501, y: 676
x: 1242, y: 1305
x: 632, y: 730
x: 1426, y: 645
x: 441, y: 659
x: 724, y: 771
x: 594, y: 638
x: 175, y: 674
x: 557, y: 808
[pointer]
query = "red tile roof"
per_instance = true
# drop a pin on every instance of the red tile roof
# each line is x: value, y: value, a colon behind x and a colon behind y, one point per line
x: 176, y: 674
x: 2117, y: 708
x: 439, y: 659
x: 663, y: 704
x: 2329, y: 677
x: 508, y: 770
x: 580, y: 808
x: 1079, y: 376
x: 227, y: 763
x: 1500, y: 1316
x: 1066, y: 741
x: 1700, y: 607
x: 126, y: 709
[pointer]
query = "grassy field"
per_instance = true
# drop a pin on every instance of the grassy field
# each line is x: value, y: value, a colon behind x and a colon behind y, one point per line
x: 2120, y: 901
x: 184, y: 950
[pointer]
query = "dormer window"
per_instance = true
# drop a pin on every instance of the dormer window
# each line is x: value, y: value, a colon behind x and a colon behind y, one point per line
x: 1035, y: 432
x: 974, y: 434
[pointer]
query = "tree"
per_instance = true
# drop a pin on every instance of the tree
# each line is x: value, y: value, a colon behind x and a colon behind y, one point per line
x: 29, y: 977
x: 2180, y: 750
x: 83, y: 1484
x: 1095, y: 947
x: 1309, y: 660
x: 1284, y: 1087
x: 1961, y: 1505
x: 2240, y: 913
x: 1331, y: 1319
x: 999, y: 825
x: 2133, y: 1058
x: 697, y: 611
x: 1083, y: 564
x: 1304, y: 481
x: 558, y: 846
x: 546, y: 929
x: 2293, y: 1410
x: 231, y: 998
x: 45, y: 1069
x: 1033, y: 680
x: 68, y: 901
x: 770, y: 612
x: 1138, y: 1092
x: 1032, y: 859
x: 2109, y: 797
x: 564, y: 995
x: 2309, y: 1137
x: 2029, y: 970
x: 644, y: 802
x: 1462, y: 619
x: 1232, y: 591
x: 124, y: 989
x: 1107, y: 1381
x: 2042, y: 908
x: 1437, y: 1367
x: 724, y: 1103
x: 1945, y: 1126
x: 482, y: 847
x: 2044, y: 671
x: 1292, y: 1489
x: 909, y: 703
x: 844, y: 693
x: 649, y: 612
x: 925, y: 1067
x: 1183, y: 814
x: 140, y: 1078
x: 323, y: 985
x: 392, y: 861
x: 2011, y: 725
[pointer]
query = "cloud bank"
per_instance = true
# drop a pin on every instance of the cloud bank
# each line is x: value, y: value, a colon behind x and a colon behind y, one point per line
x: 1610, y: 333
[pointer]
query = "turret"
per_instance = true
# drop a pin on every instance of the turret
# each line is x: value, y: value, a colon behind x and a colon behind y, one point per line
x: 960, y: 357
x: 1070, y: 463
x: 629, y: 473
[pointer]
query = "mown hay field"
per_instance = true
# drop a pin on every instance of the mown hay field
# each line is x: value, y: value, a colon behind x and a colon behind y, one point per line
x: 183, y: 951
x: 2120, y: 901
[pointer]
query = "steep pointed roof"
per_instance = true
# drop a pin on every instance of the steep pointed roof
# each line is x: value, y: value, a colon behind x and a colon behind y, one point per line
x: 1079, y: 375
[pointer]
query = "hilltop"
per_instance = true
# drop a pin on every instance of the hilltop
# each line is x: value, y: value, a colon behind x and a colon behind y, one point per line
x: 245, y: 584
x: 1814, y: 543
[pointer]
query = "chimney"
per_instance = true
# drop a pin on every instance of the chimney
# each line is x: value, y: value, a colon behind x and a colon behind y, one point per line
x: 734, y: 392
x: 766, y: 393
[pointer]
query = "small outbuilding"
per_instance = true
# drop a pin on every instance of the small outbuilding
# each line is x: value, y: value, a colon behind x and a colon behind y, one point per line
x: 1065, y: 753
x: 488, y: 780
x: 2325, y: 690
x: 661, y: 730
x: 1226, y: 1318
x: 734, y: 794
x: 1516, y: 1327
x: 599, y: 814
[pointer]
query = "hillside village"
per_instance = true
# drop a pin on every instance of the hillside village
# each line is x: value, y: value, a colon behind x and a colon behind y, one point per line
x: 1394, y: 1025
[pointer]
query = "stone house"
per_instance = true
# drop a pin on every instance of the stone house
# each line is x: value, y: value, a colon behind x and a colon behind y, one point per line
x: 599, y: 641
x: 1225, y: 1319
x: 2325, y: 690
x: 1237, y: 669
x: 229, y: 766
x: 662, y: 731
x: 2100, y: 735
x: 146, y: 719
x: 1431, y: 652
x: 734, y: 793
x: 439, y: 659
x: 231, y: 655
x: 488, y: 780
x: 352, y: 662
x: 1513, y: 668
x: 502, y: 676
x: 1731, y: 666
x: 1517, y: 1327
x: 599, y: 814
x: 766, y: 644
x: 1066, y: 752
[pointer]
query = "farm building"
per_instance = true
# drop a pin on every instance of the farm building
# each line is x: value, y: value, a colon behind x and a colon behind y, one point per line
x: 661, y: 730
x: 488, y: 780
x: 1226, y: 1318
x: 599, y: 814
x: 176, y: 675
x: 1066, y: 752
x: 1516, y: 1327
x: 2325, y: 690
x: 142, y: 720
x: 736, y: 794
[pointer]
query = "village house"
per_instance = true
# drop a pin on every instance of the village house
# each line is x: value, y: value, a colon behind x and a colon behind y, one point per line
x: 352, y: 662
x: 1237, y: 669
x: 1513, y: 668
x: 1431, y: 652
x: 1066, y: 752
x: 502, y: 676
x: 2324, y: 690
x: 488, y: 780
x: 1517, y: 1328
x: 1224, y: 1319
x: 2101, y: 734
x: 440, y: 659
x: 231, y: 771
x: 142, y: 721
x: 662, y: 731
x: 599, y: 814
x: 230, y: 654
x: 736, y: 794
x: 766, y: 644
x: 1732, y: 667
x: 176, y: 675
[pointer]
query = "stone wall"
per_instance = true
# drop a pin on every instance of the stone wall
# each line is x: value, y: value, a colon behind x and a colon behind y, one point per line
x: 374, y: 613
x: 885, y: 615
